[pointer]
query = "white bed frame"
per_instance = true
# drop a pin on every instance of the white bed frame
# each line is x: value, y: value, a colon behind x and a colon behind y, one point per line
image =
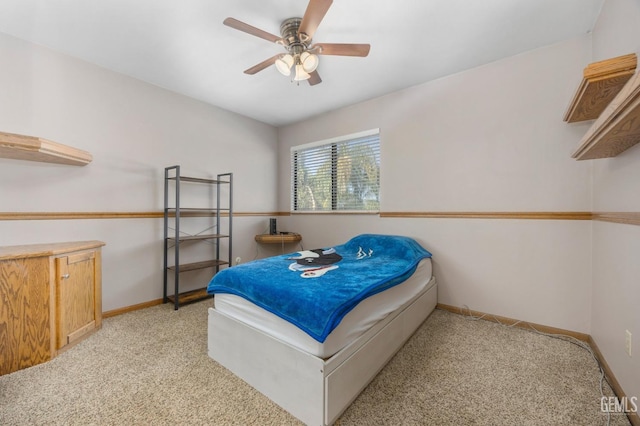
x: 313, y: 389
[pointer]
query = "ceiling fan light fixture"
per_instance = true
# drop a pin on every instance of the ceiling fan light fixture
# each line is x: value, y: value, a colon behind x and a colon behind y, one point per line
x: 309, y: 61
x: 301, y: 74
x: 284, y: 64
x: 300, y: 62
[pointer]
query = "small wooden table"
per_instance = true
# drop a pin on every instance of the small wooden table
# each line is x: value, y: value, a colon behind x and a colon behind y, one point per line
x: 278, y: 238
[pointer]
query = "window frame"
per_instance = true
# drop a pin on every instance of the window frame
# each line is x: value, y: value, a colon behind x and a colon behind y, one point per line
x: 333, y: 142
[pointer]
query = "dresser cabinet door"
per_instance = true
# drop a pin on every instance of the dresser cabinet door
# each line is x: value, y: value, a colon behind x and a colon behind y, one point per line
x: 24, y: 313
x: 76, y: 298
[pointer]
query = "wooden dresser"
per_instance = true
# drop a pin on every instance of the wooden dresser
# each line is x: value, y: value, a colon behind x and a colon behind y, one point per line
x: 50, y: 298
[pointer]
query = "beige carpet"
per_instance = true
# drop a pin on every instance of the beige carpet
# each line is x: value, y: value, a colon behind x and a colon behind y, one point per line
x: 151, y: 367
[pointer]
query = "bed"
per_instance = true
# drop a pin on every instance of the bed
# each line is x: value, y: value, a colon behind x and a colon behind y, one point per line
x: 314, y: 366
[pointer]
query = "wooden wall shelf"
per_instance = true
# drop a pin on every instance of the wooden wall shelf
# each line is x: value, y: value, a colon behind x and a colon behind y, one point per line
x: 20, y: 147
x: 618, y: 127
x: 278, y: 238
x: 601, y: 82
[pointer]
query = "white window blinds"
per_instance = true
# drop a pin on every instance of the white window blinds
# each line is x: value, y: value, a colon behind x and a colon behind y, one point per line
x: 337, y: 175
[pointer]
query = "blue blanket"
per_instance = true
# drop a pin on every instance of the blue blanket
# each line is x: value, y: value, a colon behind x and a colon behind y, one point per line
x: 338, y: 278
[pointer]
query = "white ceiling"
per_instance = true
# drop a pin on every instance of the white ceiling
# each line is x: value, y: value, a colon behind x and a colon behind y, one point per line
x: 183, y: 45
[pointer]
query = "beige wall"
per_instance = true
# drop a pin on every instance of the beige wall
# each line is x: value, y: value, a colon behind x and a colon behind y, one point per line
x: 487, y: 139
x: 133, y: 130
x: 616, y: 247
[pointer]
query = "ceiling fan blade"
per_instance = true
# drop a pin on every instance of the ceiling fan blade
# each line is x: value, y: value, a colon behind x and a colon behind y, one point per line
x: 262, y: 65
x: 314, y: 79
x: 341, y: 49
x: 316, y: 9
x: 241, y: 26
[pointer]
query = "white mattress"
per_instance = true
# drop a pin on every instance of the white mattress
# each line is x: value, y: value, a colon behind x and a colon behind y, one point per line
x: 354, y: 324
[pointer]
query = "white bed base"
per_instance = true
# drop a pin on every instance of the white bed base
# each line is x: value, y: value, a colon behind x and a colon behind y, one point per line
x: 313, y: 389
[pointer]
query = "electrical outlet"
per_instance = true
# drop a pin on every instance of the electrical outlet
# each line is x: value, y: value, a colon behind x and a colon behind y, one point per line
x: 238, y: 260
x: 627, y: 342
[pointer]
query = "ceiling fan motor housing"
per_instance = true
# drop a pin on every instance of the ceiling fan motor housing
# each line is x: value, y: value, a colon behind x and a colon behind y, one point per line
x: 294, y: 42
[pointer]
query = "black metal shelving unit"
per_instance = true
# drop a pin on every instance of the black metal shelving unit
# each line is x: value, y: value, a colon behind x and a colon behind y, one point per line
x: 173, y: 176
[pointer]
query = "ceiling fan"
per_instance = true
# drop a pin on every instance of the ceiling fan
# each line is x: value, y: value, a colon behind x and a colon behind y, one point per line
x: 301, y: 58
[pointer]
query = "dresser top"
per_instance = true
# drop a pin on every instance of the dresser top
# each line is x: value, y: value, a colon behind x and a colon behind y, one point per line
x: 47, y: 249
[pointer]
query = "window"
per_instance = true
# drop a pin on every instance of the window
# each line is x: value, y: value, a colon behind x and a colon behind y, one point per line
x: 341, y: 174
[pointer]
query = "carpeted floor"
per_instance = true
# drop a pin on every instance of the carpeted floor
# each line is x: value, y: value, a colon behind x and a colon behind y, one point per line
x: 150, y: 367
